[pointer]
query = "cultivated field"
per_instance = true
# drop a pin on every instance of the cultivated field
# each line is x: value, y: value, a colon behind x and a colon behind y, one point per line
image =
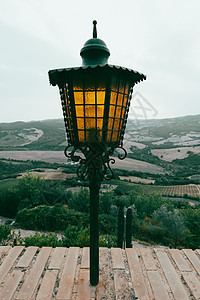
x: 192, y: 190
x: 137, y: 179
x: 50, y: 174
x: 174, y: 153
x: 58, y: 157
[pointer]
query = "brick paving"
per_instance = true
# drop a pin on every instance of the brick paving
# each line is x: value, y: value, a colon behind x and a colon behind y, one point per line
x: 63, y: 273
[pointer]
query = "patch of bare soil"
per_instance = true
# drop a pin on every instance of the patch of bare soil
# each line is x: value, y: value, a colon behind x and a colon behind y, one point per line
x: 50, y: 174
x: 59, y: 157
x: 174, y: 153
x: 137, y: 179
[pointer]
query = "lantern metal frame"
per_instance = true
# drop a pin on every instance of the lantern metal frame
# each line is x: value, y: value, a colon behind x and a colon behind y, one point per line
x: 64, y: 79
x: 93, y: 146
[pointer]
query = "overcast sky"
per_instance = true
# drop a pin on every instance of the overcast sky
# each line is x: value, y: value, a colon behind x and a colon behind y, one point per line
x: 158, y: 38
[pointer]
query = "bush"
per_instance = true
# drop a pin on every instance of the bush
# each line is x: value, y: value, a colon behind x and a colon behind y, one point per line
x: 80, y: 237
x: 50, y: 218
x: 107, y: 224
x: 42, y: 240
x: 106, y: 200
x: 80, y: 201
x: 9, y: 200
x: 146, y: 204
x: 192, y: 221
x: 5, y: 234
x: 172, y: 222
x: 108, y: 240
x: 77, y: 237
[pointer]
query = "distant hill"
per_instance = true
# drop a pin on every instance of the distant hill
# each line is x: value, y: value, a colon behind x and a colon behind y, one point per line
x: 140, y: 134
x: 34, y: 135
x: 169, y: 147
x: 165, y: 133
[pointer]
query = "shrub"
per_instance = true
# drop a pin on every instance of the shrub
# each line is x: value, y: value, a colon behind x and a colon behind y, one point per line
x: 42, y: 240
x: 192, y: 221
x: 80, y: 201
x: 5, y: 234
x: 107, y: 224
x: 50, y: 218
x: 77, y: 237
x: 172, y: 222
x: 9, y: 200
x: 108, y: 240
x: 106, y: 200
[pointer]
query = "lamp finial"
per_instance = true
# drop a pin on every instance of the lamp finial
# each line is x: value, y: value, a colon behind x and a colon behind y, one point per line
x: 94, y: 29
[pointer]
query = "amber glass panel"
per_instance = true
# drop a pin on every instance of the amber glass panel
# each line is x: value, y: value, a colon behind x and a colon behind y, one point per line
x: 81, y: 136
x: 113, y: 98
x: 120, y: 125
x: 89, y: 97
x: 90, y: 123
x: 123, y: 111
x: 116, y: 124
x: 79, y: 111
x: 80, y: 123
x: 100, y: 111
x: 118, y: 111
x: 120, y: 99
x: 78, y: 97
x: 114, y: 136
x: 90, y: 111
x: 109, y: 136
x: 112, y: 111
x: 101, y: 97
x: 110, y: 123
x: 125, y: 100
x: 100, y: 123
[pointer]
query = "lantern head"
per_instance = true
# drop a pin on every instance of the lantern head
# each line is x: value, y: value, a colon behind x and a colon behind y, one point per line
x: 95, y: 97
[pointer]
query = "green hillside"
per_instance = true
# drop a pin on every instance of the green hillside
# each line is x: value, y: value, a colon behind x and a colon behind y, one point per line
x: 50, y: 134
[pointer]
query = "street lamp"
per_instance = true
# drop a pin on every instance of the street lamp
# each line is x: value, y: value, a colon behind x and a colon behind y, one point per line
x: 95, y: 99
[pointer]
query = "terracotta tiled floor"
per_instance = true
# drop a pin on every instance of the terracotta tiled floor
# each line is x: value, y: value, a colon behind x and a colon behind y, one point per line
x: 63, y: 273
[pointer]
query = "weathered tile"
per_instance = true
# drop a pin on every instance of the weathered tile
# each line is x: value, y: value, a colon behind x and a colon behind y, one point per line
x: 31, y: 280
x: 68, y: 274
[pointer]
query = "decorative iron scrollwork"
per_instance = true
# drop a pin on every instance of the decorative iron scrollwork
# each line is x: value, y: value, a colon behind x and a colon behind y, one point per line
x: 94, y: 159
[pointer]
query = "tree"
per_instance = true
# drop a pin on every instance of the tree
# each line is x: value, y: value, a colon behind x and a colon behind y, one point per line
x: 106, y: 200
x: 80, y: 201
x: 31, y: 187
x: 192, y: 221
x: 172, y: 221
x: 146, y: 204
x: 5, y: 234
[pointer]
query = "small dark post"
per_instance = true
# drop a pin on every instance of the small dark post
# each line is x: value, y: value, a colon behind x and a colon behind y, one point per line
x: 129, y: 228
x: 120, y: 228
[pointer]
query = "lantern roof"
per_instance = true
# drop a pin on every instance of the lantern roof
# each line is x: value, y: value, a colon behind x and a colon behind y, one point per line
x: 94, y: 50
x: 59, y: 76
x: 95, y: 56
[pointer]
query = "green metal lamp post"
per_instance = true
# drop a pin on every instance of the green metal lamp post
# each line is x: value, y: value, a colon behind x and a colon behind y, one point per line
x: 95, y: 99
